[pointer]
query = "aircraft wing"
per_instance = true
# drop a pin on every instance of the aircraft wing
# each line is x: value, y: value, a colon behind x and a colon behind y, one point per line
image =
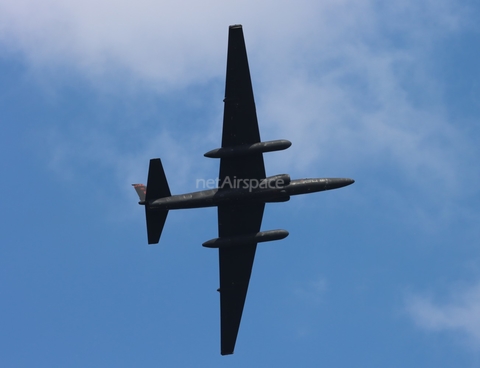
x: 240, y: 127
x: 235, y: 267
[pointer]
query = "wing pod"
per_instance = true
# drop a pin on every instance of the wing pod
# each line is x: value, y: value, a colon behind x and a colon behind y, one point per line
x: 260, y: 237
x: 249, y: 149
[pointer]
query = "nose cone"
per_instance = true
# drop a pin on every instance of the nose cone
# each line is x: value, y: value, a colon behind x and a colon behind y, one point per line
x: 335, y: 183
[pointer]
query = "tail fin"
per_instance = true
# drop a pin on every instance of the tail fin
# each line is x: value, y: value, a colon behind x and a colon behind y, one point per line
x: 157, y: 187
x: 141, y: 191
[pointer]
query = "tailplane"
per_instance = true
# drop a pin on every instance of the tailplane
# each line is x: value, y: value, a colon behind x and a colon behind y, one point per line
x: 157, y: 187
x: 155, y: 222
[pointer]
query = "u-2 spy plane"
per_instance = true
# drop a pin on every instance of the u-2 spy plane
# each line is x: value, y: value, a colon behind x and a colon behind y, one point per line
x: 241, y: 194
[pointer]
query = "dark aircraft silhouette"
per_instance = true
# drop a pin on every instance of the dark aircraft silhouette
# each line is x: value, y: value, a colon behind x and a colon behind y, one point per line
x: 243, y: 189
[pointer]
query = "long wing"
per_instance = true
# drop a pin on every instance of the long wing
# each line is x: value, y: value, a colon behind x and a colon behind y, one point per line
x: 235, y: 267
x: 240, y: 127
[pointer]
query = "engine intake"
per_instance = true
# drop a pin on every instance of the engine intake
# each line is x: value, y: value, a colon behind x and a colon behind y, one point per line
x: 276, y: 181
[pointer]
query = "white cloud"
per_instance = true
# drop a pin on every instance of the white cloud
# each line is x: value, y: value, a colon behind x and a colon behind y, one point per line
x: 328, y: 75
x: 169, y: 42
x: 460, y: 314
x: 376, y: 123
x: 178, y: 41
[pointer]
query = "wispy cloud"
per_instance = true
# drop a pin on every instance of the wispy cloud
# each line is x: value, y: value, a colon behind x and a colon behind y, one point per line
x: 310, y: 297
x: 347, y: 81
x: 313, y: 292
x: 459, y: 314
x: 94, y: 146
x: 177, y: 43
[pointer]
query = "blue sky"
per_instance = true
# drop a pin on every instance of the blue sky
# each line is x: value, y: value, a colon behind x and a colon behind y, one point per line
x: 384, y: 273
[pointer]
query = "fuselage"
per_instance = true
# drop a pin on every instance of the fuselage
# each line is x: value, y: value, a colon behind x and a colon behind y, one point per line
x: 246, y: 194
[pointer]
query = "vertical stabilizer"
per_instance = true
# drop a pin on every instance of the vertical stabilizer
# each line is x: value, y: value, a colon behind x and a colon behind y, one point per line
x: 141, y: 191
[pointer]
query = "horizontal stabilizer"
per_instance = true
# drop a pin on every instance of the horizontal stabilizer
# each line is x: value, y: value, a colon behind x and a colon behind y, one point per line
x: 157, y: 185
x: 155, y: 222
